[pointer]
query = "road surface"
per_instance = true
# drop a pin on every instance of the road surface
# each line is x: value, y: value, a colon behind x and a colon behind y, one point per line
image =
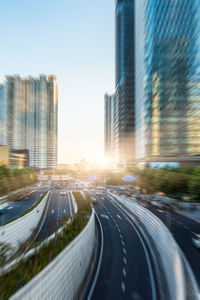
x: 59, y: 208
x: 16, y: 208
x: 183, y: 230
x: 126, y: 271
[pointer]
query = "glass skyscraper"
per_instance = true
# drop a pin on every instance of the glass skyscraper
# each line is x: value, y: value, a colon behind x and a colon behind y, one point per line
x: 109, y: 138
x: 124, y: 92
x: 167, y: 79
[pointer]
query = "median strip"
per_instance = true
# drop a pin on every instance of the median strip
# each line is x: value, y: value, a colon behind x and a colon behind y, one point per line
x: 27, y: 268
x: 27, y: 211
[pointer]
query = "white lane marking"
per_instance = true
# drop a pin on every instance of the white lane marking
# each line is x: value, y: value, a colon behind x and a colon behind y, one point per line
x: 105, y: 216
x: 124, y: 272
x: 10, y: 207
x: 99, y: 262
x: 119, y: 217
x: 118, y: 229
x: 123, y: 243
x: 52, y: 211
x: 116, y: 224
x: 123, y: 287
x: 121, y: 237
x: 64, y: 211
x: 145, y: 250
x: 124, y: 250
x: 125, y: 261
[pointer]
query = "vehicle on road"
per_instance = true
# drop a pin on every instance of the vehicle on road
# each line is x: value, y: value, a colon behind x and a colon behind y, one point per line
x: 3, y: 208
x: 94, y: 201
x: 63, y: 193
x: 196, y: 241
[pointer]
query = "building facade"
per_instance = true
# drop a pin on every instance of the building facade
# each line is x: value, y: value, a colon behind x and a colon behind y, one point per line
x: 2, y: 115
x: 157, y: 105
x: 13, y: 159
x: 167, y: 77
x: 109, y: 136
x: 124, y: 89
x: 31, y: 118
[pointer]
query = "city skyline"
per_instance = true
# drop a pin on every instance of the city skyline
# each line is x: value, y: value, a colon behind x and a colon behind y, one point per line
x: 63, y: 50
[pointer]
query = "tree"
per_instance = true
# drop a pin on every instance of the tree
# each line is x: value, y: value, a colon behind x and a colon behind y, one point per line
x: 194, y: 188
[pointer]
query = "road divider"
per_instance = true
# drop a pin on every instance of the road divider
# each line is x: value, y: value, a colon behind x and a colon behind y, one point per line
x: 74, y: 204
x: 175, y: 277
x: 18, y: 231
x: 64, y: 276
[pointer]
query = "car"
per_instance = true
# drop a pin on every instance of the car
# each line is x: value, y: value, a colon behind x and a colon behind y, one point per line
x: 3, y: 208
x: 63, y: 193
x: 94, y: 201
x: 196, y: 241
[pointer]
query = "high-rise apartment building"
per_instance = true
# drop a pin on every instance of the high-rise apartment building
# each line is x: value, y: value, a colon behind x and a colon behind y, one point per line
x: 109, y: 137
x: 124, y: 92
x: 167, y: 80
x: 2, y: 115
x: 31, y: 118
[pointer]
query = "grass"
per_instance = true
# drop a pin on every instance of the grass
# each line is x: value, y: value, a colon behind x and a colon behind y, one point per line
x: 27, y: 211
x: 84, y: 206
x: 26, y: 269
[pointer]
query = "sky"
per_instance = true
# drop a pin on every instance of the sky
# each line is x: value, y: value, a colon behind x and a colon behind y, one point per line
x: 75, y: 41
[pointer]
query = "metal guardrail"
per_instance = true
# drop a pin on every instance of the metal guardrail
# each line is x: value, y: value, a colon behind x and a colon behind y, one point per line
x: 176, y: 270
x: 64, y: 276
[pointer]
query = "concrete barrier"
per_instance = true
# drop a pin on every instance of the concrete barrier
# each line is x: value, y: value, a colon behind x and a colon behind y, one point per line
x: 18, y: 231
x: 63, y: 278
x: 176, y: 279
x: 74, y: 204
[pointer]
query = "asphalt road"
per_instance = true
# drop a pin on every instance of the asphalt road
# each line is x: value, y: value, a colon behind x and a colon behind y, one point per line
x: 16, y: 208
x: 59, y: 208
x: 183, y: 230
x: 126, y: 271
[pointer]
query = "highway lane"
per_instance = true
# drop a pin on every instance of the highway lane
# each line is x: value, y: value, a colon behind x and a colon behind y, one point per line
x: 16, y: 208
x: 126, y: 271
x: 183, y: 230
x: 59, y: 208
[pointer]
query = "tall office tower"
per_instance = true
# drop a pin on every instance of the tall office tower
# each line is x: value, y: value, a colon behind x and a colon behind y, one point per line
x: 125, y: 66
x: 31, y: 118
x: 109, y: 138
x: 167, y: 81
x: 2, y: 115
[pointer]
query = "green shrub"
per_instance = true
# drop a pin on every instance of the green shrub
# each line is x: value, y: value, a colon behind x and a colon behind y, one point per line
x: 194, y: 188
x: 84, y: 205
x: 26, y: 269
x: 12, y: 179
